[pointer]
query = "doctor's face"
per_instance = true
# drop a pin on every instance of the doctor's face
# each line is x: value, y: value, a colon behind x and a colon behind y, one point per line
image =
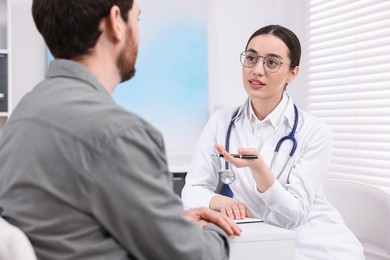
x: 266, y: 79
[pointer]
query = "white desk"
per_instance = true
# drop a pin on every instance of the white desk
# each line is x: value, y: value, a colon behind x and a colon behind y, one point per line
x: 263, y: 241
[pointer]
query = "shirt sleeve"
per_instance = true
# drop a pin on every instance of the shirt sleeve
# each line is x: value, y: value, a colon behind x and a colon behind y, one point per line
x: 289, y: 205
x: 132, y: 197
x: 202, y: 177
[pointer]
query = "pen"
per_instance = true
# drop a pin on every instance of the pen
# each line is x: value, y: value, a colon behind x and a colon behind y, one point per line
x: 241, y: 156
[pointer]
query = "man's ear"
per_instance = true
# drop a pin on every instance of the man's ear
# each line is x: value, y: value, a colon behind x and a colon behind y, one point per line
x: 115, y: 25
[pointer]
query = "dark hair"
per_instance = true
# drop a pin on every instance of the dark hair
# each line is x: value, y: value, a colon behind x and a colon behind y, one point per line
x: 70, y: 27
x: 287, y: 36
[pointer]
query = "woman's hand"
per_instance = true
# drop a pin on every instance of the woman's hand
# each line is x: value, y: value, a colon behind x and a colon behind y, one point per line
x: 260, y: 171
x: 229, y: 207
x: 203, y: 216
x: 235, y: 209
x: 239, y: 163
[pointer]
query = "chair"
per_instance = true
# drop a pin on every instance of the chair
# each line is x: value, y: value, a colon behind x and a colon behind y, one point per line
x: 14, y: 244
x: 366, y: 211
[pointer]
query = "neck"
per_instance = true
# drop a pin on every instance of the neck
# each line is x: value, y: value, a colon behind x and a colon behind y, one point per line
x: 103, y: 67
x: 263, y: 107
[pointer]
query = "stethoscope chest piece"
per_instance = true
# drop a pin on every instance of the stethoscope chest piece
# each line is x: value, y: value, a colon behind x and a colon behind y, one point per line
x: 226, y: 176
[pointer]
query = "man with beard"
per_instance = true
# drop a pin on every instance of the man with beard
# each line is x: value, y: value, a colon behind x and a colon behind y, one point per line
x: 83, y: 178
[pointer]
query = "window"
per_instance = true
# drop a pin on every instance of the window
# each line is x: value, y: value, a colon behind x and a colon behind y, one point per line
x: 348, y: 79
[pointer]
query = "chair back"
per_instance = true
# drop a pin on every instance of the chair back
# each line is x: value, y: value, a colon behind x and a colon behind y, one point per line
x: 366, y: 211
x: 14, y: 244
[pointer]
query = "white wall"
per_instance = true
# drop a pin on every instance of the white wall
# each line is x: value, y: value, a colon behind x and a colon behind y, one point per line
x: 231, y: 23
x: 27, y: 51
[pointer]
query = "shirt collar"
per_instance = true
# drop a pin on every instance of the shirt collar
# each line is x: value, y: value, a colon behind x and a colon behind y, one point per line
x: 275, y: 118
x: 72, y: 69
x: 289, y: 113
x: 286, y: 108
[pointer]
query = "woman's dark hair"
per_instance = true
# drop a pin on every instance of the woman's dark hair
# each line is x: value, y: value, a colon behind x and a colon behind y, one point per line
x: 287, y: 36
x: 70, y: 27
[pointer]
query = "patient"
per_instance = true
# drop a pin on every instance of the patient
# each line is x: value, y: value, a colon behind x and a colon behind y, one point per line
x: 83, y: 178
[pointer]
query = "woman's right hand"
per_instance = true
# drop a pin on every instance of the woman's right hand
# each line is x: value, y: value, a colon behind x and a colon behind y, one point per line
x: 229, y: 207
x: 262, y: 175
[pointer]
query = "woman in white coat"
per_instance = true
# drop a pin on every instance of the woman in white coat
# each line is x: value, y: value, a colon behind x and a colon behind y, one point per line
x: 282, y: 192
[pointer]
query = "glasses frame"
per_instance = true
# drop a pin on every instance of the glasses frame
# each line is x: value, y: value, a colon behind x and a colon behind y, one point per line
x: 258, y: 58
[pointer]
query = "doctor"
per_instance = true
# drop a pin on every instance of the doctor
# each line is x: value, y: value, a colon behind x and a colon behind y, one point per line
x: 283, y: 188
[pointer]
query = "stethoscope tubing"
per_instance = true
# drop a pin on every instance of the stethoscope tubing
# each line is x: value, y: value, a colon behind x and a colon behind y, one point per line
x: 290, y: 136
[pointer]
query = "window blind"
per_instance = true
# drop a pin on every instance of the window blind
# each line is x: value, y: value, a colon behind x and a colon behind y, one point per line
x: 348, y: 79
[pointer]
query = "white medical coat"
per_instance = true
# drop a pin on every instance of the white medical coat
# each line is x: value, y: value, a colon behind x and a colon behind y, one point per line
x: 297, y: 204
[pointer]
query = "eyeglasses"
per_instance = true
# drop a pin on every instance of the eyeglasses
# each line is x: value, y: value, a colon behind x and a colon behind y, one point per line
x: 271, y: 64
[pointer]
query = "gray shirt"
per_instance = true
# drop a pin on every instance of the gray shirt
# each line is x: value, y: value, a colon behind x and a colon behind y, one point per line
x: 85, y: 179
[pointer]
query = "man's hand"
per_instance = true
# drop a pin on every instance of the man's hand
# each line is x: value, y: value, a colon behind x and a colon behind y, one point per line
x: 203, y: 216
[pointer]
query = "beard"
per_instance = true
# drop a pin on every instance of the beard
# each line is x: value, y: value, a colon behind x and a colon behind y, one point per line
x: 127, y: 58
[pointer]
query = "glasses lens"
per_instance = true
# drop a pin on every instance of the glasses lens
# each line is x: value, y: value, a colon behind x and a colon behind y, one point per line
x: 248, y: 59
x: 272, y: 64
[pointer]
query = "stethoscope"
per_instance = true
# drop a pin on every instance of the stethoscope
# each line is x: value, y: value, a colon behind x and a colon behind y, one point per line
x: 227, y: 176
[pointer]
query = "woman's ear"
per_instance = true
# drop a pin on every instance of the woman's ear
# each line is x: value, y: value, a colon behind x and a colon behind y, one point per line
x: 293, y: 74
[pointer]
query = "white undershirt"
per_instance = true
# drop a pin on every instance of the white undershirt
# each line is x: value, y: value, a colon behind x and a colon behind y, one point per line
x: 262, y: 129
